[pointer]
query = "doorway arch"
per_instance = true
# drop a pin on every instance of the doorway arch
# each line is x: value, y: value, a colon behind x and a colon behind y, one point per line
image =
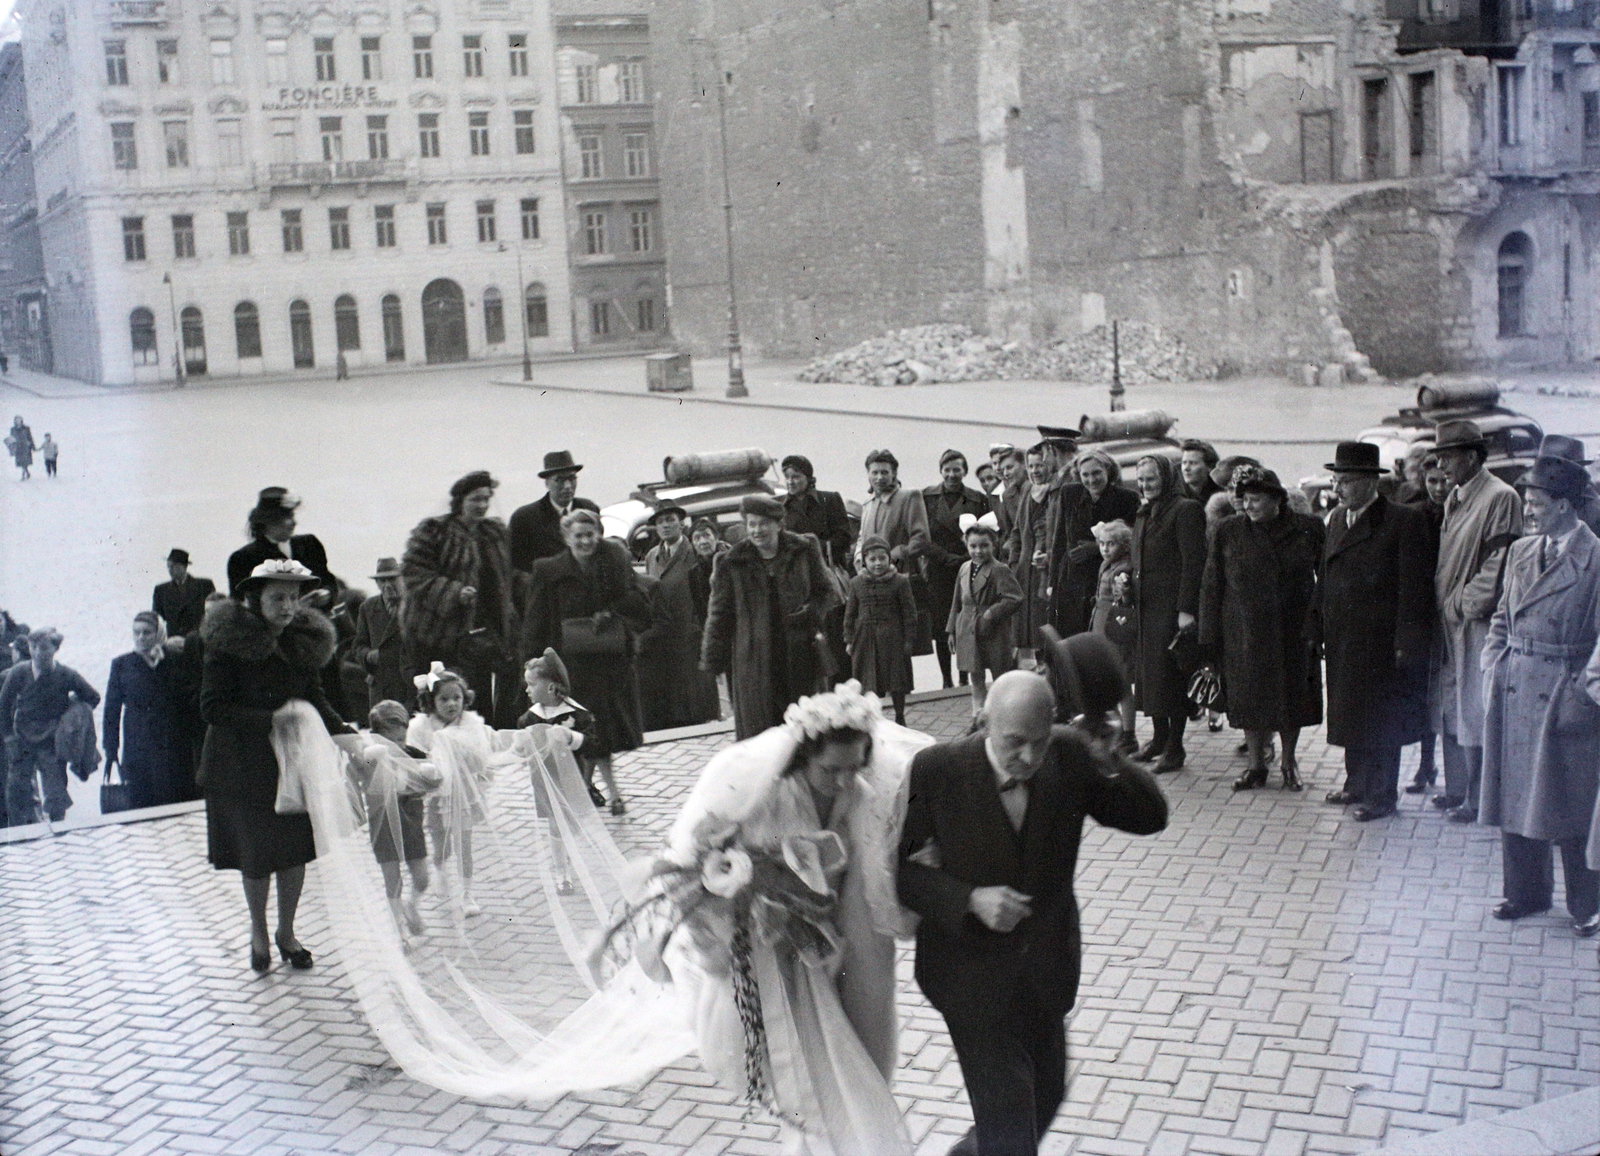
x: 444, y: 321
x: 194, y: 341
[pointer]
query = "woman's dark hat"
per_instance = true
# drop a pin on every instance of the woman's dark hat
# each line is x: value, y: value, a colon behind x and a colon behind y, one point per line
x: 1089, y: 675
x: 762, y: 505
x: 1262, y: 482
x: 1458, y: 435
x: 1557, y: 477
x: 476, y: 480
x: 1356, y: 458
x: 663, y: 511
x: 1563, y: 448
x: 559, y: 462
x: 276, y: 570
x: 800, y: 464
x: 179, y: 556
x: 277, y: 498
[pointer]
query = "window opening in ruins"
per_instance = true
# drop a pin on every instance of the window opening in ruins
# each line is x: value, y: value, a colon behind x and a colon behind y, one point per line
x: 1424, y: 145
x: 1511, y: 80
x: 1375, y: 147
x: 1514, y: 266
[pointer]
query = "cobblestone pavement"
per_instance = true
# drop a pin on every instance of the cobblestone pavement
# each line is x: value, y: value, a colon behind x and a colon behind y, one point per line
x: 1265, y: 977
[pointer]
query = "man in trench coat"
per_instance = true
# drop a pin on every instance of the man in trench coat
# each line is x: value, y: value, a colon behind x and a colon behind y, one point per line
x: 1541, y: 739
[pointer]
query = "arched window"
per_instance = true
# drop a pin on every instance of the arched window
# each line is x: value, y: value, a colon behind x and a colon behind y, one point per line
x: 494, y: 317
x: 394, y: 334
x: 142, y: 333
x: 247, y: 329
x: 1515, y: 265
x: 346, y: 323
x: 537, y: 310
x: 305, y: 355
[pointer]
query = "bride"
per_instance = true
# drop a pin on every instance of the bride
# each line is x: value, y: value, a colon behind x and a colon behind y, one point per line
x: 778, y: 891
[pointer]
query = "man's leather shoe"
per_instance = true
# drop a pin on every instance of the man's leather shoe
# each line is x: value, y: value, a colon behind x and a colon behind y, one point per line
x: 1584, y: 928
x: 1447, y: 802
x: 967, y: 1145
x: 1463, y: 814
x: 1416, y: 788
x: 1168, y: 764
x: 1508, y: 911
x: 1342, y: 798
x: 1150, y: 750
x: 1370, y: 811
x: 1252, y: 778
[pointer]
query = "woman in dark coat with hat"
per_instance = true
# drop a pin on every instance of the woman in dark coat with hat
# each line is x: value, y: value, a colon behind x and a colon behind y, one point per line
x: 586, y: 606
x: 769, y: 597
x: 1169, y: 557
x: 140, y: 731
x: 1097, y: 496
x: 1255, y: 601
x: 260, y: 653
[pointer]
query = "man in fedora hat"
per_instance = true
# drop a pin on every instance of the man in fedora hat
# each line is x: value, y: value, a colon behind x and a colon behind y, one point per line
x: 1482, y: 517
x: 1373, y: 615
x: 1541, y: 735
x: 684, y: 694
x: 1572, y: 450
x: 536, y: 527
x: 181, y: 602
x: 378, y: 646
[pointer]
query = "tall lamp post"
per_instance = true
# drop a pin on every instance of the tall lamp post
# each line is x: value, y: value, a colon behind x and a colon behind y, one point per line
x: 1119, y: 401
x: 177, y: 334
x: 736, y: 386
x: 522, y: 308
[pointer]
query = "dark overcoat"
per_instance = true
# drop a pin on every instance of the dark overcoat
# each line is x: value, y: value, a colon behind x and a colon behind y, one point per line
x: 980, y: 618
x: 536, y: 531
x: 140, y: 730
x: 1255, y: 606
x: 380, y: 651
x: 947, y: 546
x: 305, y: 549
x: 1076, y: 573
x: 1374, y: 600
x: 880, y: 622
x: 688, y: 694
x: 820, y: 512
x: 182, y: 607
x: 743, y: 641
x: 1169, y: 559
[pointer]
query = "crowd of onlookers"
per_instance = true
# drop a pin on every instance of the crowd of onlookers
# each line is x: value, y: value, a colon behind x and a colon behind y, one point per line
x: 1437, y: 605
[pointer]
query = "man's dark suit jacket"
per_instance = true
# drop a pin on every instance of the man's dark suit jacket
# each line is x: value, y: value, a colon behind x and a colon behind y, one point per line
x: 955, y: 802
x: 536, y: 531
x: 182, y: 607
x: 305, y: 549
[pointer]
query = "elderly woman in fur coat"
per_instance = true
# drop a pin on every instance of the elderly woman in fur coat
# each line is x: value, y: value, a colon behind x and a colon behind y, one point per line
x: 260, y: 654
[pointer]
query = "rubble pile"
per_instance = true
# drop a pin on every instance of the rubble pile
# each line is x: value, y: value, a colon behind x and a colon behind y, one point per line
x: 930, y: 353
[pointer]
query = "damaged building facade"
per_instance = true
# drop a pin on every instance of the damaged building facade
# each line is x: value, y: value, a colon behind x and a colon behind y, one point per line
x: 1371, y: 187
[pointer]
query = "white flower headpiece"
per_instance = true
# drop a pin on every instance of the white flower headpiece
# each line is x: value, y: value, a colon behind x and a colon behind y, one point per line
x: 847, y: 708
x: 428, y: 681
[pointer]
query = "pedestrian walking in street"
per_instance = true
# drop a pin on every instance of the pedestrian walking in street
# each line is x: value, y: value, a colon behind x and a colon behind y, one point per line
x: 1255, y: 604
x: 1541, y: 737
x: 986, y: 598
x: 880, y: 621
x: 1482, y: 517
x: 19, y: 443
x: 536, y: 527
x: 180, y: 601
x: 1097, y: 496
x: 379, y: 645
x: 1169, y: 558
x: 687, y: 694
x: 460, y: 601
x: 260, y: 652
x: 141, y: 733
x: 988, y: 854
x: 50, y: 451
x: 900, y: 517
x: 34, y: 700
x: 1374, y: 620
x: 946, y: 504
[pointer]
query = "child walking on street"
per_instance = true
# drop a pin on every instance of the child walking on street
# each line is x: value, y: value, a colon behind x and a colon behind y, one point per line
x: 394, y: 792
x: 987, y: 595
x: 880, y: 625
x: 548, y: 687
x: 49, y: 450
x: 461, y: 745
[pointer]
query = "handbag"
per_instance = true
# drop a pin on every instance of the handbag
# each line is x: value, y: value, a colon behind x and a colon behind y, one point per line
x: 1205, y: 692
x: 580, y: 638
x: 114, y: 796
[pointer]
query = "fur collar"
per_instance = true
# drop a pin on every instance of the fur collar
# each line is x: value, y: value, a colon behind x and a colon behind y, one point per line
x: 307, y: 642
x: 746, y: 554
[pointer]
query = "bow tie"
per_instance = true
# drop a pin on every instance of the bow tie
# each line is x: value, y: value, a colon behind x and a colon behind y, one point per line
x: 1012, y: 785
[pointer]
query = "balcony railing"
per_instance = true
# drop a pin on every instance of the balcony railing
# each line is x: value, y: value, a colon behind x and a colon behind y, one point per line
x: 335, y: 172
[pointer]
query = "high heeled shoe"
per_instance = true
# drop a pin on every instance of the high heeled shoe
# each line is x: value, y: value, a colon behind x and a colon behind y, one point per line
x: 260, y: 961
x: 298, y: 957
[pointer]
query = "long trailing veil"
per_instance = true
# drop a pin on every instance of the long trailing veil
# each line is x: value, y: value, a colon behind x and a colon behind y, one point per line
x: 510, y: 1004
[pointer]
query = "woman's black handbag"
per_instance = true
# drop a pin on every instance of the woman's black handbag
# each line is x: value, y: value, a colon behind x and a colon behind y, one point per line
x: 114, y: 796
x: 1205, y: 692
x: 580, y: 638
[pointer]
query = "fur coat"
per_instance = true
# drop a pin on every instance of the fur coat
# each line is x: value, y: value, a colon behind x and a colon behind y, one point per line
x: 442, y: 556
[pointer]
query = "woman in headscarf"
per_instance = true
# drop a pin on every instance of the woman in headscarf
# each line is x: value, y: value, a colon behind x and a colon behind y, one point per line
x: 141, y: 732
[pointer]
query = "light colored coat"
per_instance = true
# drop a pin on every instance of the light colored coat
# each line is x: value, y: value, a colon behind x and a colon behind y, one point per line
x: 1541, y: 750
x: 1479, y: 520
x: 980, y: 618
x: 902, y: 519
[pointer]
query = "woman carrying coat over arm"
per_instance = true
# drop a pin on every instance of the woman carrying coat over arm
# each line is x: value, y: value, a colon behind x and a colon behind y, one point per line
x: 1169, y: 557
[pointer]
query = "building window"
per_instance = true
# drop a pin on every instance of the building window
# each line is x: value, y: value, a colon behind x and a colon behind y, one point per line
x: 378, y: 138
x: 1566, y: 271
x: 305, y: 354
x: 1422, y: 116
x: 494, y: 318
x: 239, y: 234
x: 222, y: 62
x: 436, y: 229
x: 536, y: 310
x: 486, y: 230
x: 594, y: 232
x: 586, y: 81
x: 294, y: 239
x: 133, y: 238
x: 518, y: 42
x: 639, y: 231
x: 183, y: 235
x: 176, y: 134
x: 278, y: 61
x: 522, y: 121
x: 422, y: 57
x: 339, y: 228
x: 371, y: 58
x: 322, y: 52
x: 230, y: 144
x: 590, y: 164
x: 645, y: 314
x: 247, y: 329
x: 530, y: 218
x: 428, y: 134
x: 332, y: 137
x: 346, y: 324
x: 478, y: 133
x: 472, y: 56
x: 117, y: 62
x: 1515, y: 265
x: 600, y: 318
x: 142, y: 334
x: 1511, y: 106
x: 636, y: 154
x: 394, y: 334
x: 630, y: 81
x: 167, y: 62
x: 383, y: 218
x: 124, y: 152
x: 1591, y: 116
x: 283, y: 141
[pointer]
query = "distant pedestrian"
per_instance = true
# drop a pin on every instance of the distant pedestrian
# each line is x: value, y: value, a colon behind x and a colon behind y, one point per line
x: 49, y: 450
x: 181, y: 600
x: 33, y: 700
x: 341, y: 368
x: 880, y: 619
x: 986, y: 598
x: 5, y: 363
x: 19, y: 442
x: 141, y: 732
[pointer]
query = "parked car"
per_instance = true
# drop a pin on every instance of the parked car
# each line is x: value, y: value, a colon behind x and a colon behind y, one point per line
x: 1135, y: 435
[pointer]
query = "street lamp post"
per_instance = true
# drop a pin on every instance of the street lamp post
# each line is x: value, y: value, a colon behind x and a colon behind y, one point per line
x: 522, y: 308
x: 1118, y: 399
x: 177, y: 334
x: 736, y: 386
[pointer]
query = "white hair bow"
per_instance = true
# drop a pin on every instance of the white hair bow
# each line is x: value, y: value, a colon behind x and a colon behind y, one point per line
x: 427, y: 681
x: 989, y: 520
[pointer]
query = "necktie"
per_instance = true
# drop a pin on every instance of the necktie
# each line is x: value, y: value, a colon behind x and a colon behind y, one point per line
x: 1014, y: 798
x: 1544, y: 554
